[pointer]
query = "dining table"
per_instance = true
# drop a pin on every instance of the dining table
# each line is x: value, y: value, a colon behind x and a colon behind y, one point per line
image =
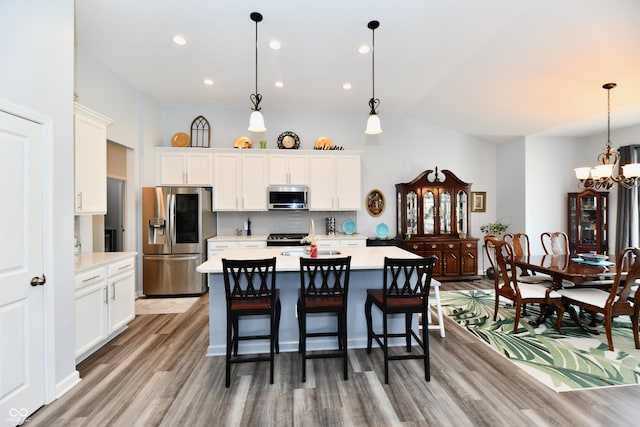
x: 570, y: 270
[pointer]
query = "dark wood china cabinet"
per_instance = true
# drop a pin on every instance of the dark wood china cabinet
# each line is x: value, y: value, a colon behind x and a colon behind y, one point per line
x: 588, y: 220
x: 433, y: 219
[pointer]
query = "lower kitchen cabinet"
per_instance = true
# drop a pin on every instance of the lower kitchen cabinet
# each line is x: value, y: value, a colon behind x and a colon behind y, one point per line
x: 104, y: 304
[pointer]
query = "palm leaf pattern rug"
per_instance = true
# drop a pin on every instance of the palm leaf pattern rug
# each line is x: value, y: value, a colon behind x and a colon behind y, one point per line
x: 574, y: 361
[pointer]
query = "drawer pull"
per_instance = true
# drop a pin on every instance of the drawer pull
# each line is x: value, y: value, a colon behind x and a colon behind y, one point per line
x: 124, y: 266
x: 434, y: 246
x: 450, y: 245
x: 90, y: 278
x: 415, y: 246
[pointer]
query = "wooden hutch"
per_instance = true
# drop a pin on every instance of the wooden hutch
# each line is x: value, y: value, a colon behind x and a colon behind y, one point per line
x: 433, y: 219
x: 587, y: 222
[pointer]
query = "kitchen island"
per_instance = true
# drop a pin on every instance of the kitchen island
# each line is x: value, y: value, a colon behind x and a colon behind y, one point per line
x: 366, y: 272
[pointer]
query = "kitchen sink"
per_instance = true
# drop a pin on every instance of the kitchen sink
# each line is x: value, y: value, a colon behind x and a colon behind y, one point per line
x: 301, y: 252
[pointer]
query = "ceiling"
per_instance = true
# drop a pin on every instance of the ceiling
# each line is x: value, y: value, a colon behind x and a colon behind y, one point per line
x: 492, y: 68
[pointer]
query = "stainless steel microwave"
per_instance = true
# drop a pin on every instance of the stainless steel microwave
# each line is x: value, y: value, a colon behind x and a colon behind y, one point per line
x: 288, y: 197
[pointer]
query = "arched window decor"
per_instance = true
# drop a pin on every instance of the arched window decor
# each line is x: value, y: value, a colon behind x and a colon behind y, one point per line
x: 200, y: 132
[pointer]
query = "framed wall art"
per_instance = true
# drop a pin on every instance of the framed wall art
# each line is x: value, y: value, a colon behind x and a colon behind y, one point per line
x: 478, y: 201
x: 375, y: 203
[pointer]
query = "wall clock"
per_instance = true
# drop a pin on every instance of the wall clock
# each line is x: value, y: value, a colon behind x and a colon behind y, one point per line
x: 288, y: 140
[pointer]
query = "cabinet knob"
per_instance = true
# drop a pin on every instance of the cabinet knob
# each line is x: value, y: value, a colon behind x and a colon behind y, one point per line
x: 450, y: 245
x: 415, y: 246
x: 434, y: 246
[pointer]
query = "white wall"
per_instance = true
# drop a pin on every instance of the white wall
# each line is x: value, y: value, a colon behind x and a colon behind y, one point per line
x: 37, y: 74
x: 510, y: 191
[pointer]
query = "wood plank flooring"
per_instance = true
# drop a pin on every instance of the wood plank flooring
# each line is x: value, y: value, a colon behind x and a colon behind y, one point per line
x: 156, y: 374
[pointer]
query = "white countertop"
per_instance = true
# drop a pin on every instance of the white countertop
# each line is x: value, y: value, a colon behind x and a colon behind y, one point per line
x: 263, y: 237
x: 362, y: 258
x: 88, y: 260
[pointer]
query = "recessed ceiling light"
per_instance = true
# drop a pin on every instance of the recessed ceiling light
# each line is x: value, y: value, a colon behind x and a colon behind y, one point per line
x: 364, y: 49
x: 208, y: 82
x: 275, y: 44
x: 179, y: 40
x: 346, y: 86
x: 278, y: 84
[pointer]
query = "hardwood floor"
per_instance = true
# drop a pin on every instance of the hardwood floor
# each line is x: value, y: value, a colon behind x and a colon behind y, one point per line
x: 156, y: 374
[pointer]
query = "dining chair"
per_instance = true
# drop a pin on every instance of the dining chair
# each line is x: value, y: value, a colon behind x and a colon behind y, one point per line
x: 324, y: 287
x: 250, y: 288
x: 618, y: 300
x: 555, y: 243
x: 506, y: 283
x: 405, y: 290
x: 519, y: 243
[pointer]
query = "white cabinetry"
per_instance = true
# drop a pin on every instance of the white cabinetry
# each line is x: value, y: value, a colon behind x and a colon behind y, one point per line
x: 183, y: 168
x: 218, y: 246
x: 91, y: 309
x: 104, y: 304
x: 334, y: 182
x: 90, y: 142
x: 288, y: 169
x: 240, y: 182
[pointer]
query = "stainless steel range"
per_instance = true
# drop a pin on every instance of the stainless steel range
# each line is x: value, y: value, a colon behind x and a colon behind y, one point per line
x: 285, y: 239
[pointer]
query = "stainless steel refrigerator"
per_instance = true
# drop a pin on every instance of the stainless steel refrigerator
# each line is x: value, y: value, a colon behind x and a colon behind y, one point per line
x: 176, y: 224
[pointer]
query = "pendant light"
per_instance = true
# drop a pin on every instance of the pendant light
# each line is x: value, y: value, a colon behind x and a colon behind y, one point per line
x: 603, y: 175
x: 373, y: 124
x: 256, y: 121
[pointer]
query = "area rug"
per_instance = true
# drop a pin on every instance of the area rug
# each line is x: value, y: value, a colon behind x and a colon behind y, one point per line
x: 574, y: 361
x: 164, y: 305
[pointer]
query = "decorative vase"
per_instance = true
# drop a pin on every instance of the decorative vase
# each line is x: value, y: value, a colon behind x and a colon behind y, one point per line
x: 314, y: 251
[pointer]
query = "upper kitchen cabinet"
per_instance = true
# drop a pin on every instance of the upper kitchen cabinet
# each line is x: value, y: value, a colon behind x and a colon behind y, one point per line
x: 334, y: 182
x: 288, y: 169
x: 240, y: 181
x: 90, y: 161
x: 183, y: 167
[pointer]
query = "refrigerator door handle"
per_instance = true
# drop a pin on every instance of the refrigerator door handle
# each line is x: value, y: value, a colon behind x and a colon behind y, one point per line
x: 172, y: 220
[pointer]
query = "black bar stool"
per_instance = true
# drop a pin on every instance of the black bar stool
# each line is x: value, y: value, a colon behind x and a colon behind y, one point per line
x: 324, y: 285
x: 405, y: 291
x: 250, y: 287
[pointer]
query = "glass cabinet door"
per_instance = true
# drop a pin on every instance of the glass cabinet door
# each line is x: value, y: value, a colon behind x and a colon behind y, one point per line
x: 573, y: 219
x: 428, y: 209
x: 588, y: 217
x: 445, y: 212
x: 461, y: 214
x: 412, y: 212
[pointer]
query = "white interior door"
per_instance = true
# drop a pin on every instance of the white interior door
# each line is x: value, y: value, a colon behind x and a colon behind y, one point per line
x: 22, y: 360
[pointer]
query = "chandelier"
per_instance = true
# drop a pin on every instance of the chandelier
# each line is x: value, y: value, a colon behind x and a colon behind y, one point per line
x: 256, y: 121
x: 603, y: 174
x: 373, y: 123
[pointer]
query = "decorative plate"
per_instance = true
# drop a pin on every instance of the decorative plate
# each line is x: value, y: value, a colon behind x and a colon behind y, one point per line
x: 349, y: 227
x: 288, y: 140
x: 382, y: 230
x: 243, y: 142
x: 180, y: 139
x: 323, y: 143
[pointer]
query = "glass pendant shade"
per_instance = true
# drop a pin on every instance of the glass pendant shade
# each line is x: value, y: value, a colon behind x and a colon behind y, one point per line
x: 582, y: 173
x: 373, y: 125
x: 602, y: 171
x: 256, y: 122
x: 632, y: 170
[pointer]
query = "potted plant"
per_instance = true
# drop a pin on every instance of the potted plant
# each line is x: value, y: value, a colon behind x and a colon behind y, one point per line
x: 493, y: 229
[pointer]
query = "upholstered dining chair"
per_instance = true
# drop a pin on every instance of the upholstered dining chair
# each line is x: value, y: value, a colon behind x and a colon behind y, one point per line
x: 520, y: 245
x: 555, y: 243
x: 324, y: 287
x: 405, y: 290
x: 250, y: 289
x: 618, y: 300
x: 506, y: 284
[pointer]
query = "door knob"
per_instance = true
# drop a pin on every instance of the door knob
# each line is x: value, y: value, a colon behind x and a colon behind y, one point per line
x: 38, y: 281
